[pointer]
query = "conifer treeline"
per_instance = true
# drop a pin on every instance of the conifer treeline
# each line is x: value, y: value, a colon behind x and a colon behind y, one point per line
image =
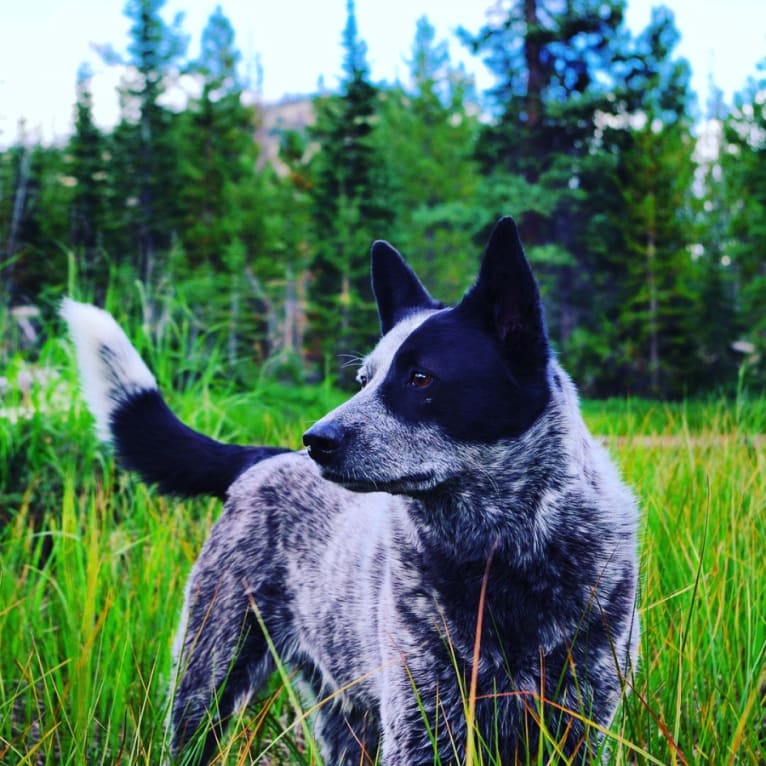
x: 652, y: 260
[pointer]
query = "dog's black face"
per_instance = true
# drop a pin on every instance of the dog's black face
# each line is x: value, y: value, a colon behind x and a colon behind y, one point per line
x: 453, y: 374
x: 473, y: 374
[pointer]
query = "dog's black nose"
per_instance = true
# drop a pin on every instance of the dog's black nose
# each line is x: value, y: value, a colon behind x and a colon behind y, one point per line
x: 323, y: 440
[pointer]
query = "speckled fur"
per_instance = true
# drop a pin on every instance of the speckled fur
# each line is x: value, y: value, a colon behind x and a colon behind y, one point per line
x: 374, y: 595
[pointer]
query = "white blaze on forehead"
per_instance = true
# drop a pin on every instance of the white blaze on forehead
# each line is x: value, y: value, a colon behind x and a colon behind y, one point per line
x: 377, y: 363
x: 374, y: 369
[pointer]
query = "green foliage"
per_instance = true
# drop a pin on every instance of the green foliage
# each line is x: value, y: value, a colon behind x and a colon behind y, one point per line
x: 220, y: 187
x: 712, y: 281
x: 222, y: 198
x: 150, y: 152
x: 744, y: 165
x: 35, y: 221
x: 656, y: 310
x: 427, y: 134
x: 649, y: 259
x: 553, y: 65
x: 657, y: 313
x: 596, y: 147
x: 87, y: 168
x: 349, y: 208
x: 556, y: 73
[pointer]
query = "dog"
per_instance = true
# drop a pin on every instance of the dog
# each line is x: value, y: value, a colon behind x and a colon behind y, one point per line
x: 450, y: 565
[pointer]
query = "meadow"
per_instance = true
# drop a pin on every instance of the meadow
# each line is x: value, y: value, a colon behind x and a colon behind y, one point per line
x: 93, y: 565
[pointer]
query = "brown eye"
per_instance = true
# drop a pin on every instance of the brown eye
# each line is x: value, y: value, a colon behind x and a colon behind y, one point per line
x: 421, y: 379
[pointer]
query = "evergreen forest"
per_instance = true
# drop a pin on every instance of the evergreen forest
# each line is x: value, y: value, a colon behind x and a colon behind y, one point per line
x: 643, y: 213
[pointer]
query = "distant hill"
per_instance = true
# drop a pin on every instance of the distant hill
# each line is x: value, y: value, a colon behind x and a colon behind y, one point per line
x: 292, y: 113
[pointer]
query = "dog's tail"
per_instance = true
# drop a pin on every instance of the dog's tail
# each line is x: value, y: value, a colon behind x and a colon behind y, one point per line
x: 131, y: 414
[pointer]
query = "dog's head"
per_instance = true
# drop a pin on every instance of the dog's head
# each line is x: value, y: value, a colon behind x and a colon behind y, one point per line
x: 441, y: 382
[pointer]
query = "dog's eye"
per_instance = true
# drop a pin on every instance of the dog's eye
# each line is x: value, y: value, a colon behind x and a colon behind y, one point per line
x: 420, y: 379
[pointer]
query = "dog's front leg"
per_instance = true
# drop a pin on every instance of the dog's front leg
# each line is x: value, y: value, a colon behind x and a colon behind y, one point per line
x: 349, y: 737
x: 423, y: 717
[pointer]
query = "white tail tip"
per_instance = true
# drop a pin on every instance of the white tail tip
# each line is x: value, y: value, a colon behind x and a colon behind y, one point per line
x: 111, y: 370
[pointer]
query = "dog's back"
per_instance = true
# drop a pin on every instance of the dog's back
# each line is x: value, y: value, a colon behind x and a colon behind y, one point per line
x: 454, y: 540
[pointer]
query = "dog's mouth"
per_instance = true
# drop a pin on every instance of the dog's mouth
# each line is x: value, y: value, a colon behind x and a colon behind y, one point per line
x: 414, y: 483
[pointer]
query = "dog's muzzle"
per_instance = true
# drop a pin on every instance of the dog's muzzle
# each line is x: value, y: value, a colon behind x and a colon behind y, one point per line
x: 324, y: 442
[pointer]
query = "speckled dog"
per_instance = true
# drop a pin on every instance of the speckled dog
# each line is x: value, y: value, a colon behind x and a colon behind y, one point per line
x: 458, y: 490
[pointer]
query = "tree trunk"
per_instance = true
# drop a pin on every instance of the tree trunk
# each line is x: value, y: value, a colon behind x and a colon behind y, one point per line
x: 146, y: 200
x: 290, y: 327
x: 535, y: 77
x: 654, y: 350
x: 233, y: 321
x: 19, y: 202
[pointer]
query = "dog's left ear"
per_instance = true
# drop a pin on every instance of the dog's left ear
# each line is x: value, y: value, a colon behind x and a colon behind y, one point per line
x: 397, y: 289
x: 507, y: 300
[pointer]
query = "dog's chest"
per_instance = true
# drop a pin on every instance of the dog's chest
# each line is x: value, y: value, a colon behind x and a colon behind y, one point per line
x: 339, y: 591
x: 357, y: 601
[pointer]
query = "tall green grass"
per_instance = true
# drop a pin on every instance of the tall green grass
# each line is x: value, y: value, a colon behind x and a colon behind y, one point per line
x: 700, y: 688
x: 93, y: 565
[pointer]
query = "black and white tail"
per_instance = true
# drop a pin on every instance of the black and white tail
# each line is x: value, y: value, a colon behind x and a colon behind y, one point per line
x: 131, y: 414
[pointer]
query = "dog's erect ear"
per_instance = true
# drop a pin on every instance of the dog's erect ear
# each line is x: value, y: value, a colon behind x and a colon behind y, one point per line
x: 397, y: 289
x: 507, y: 300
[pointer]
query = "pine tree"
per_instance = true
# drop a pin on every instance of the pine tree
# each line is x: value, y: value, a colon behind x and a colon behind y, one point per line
x: 15, y: 172
x: 554, y: 65
x: 220, y: 155
x: 88, y: 170
x: 592, y: 141
x: 35, y: 221
x: 717, y: 326
x: 289, y: 227
x: 349, y: 208
x: 146, y: 142
x: 656, y: 320
x: 744, y: 168
x: 652, y: 306
x: 427, y: 135
x: 223, y: 201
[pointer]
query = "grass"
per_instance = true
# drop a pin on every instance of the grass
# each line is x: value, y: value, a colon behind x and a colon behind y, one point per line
x: 93, y: 565
x: 704, y: 624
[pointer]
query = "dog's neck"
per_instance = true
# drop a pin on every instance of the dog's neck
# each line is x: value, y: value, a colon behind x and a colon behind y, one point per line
x: 491, y: 537
x: 467, y: 520
x: 494, y: 506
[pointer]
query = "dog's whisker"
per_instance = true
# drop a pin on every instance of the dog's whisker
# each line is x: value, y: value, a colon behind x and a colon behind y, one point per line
x: 351, y: 360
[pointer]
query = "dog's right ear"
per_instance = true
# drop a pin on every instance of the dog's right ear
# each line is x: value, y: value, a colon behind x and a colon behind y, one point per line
x: 398, y: 291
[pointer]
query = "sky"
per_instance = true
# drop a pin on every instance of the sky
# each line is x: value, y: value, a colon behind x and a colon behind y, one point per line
x: 298, y: 42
